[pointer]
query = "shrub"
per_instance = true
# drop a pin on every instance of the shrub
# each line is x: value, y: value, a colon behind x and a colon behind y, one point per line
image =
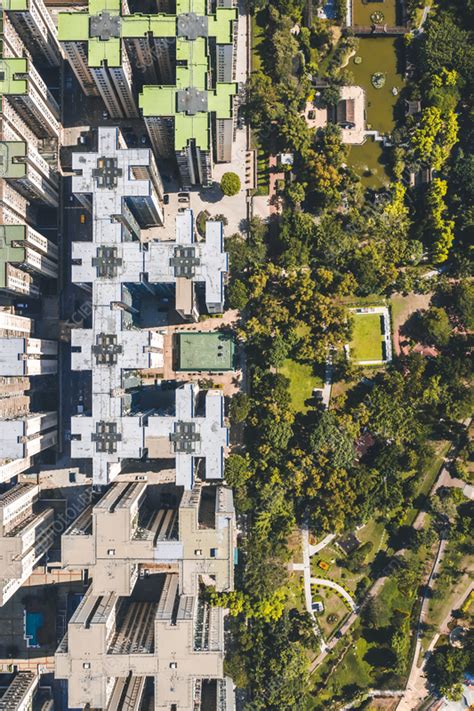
x: 201, y: 220
x: 230, y: 184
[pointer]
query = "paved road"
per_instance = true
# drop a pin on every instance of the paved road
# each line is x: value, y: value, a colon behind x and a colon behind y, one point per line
x: 423, y: 18
x: 416, y: 689
x: 307, y: 581
x: 327, y: 382
x: 322, y: 544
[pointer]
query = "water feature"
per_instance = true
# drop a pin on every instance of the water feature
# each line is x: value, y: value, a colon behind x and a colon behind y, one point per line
x: 379, y: 55
x: 33, y: 622
x: 362, y: 12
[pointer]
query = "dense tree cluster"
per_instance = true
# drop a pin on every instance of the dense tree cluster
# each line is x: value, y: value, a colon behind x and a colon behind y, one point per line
x: 292, y: 282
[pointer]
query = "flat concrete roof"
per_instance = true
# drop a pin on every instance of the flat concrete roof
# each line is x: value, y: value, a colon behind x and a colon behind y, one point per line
x: 209, y: 352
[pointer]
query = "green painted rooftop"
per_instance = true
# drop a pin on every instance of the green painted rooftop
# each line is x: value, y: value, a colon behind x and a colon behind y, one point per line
x: 207, y: 352
x: 9, y: 150
x: 15, y: 5
x: 75, y: 26
x: 100, y: 52
x: 9, y: 68
x: 192, y: 60
x: 10, y: 253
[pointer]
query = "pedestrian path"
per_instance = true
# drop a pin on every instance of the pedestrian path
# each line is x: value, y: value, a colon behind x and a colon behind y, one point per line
x: 323, y: 582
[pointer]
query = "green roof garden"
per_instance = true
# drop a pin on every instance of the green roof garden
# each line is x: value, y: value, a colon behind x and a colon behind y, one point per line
x: 209, y: 352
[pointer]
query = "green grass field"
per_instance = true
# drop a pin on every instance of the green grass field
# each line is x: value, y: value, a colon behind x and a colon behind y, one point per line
x: 366, y: 341
x: 258, y: 35
x: 302, y: 381
x: 352, y: 670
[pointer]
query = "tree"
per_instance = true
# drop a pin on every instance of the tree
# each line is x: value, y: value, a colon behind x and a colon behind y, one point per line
x: 435, y: 327
x: 239, y: 407
x: 463, y: 303
x: 237, y: 294
x: 438, y: 226
x: 295, y: 193
x: 230, y: 184
x: 355, y: 561
x: 447, y: 665
x: 433, y: 139
x: 446, y: 45
x: 294, y: 131
x: 322, y: 177
x: 330, y: 95
x: 334, y: 439
x: 238, y: 474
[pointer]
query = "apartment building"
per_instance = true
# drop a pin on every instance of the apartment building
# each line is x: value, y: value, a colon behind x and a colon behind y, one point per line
x: 26, y: 92
x: 24, y: 434
x: 25, y: 255
x: 25, y: 536
x: 20, y: 692
x: 176, y: 639
x: 27, y: 435
x: 28, y: 173
x: 138, y: 527
x: 187, y: 57
x: 35, y: 26
x: 121, y: 182
x: 28, y: 357
x: 13, y: 325
x: 29, y: 139
x: 91, y: 43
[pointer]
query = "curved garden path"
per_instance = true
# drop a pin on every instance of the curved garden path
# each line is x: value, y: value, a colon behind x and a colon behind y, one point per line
x: 338, y: 588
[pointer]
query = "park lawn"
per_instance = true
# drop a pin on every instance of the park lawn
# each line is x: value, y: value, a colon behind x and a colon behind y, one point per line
x: 352, y: 670
x: 391, y: 599
x: 337, y: 573
x: 366, y: 341
x: 302, y: 382
x: 375, y: 532
x: 295, y: 546
x: 402, y: 307
x: 454, y: 594
x: 258, y: 36
x: 333, y: 605
x: 295, y: 592
x: 429, y: 477
x: 440, y: 607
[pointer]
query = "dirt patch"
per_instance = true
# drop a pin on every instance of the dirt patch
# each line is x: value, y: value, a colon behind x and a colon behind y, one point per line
x: 402, y: 308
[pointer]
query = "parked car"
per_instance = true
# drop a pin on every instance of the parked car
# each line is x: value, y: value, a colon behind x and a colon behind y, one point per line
x: 82, y: 218
x: 166, y: 199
